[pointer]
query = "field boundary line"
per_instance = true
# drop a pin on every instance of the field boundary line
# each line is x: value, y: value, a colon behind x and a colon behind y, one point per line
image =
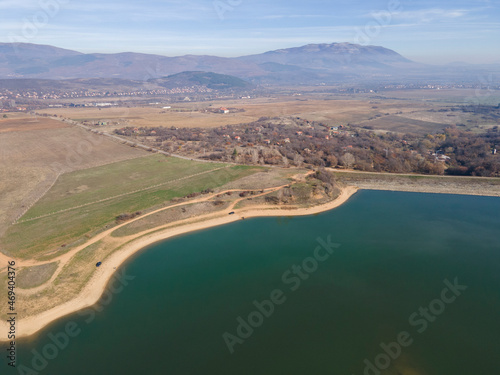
x: 37, y: 199
x: 118, y: 196
x: 135, y: 143
x: 97, y: 165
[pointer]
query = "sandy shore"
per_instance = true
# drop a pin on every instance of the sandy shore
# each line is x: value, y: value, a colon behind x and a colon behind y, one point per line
x: 97, y: 285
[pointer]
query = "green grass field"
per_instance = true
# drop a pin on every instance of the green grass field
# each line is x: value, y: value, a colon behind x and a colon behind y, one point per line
x: 94, y: 184
x: 97, y: 189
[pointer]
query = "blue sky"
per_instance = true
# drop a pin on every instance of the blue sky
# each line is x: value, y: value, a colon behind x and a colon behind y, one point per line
x: 426, y: 31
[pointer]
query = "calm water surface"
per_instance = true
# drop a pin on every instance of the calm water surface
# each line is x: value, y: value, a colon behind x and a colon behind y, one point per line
x: 396, y: 251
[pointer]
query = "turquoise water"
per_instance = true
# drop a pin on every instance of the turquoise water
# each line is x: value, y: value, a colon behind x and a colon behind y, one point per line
x: 395, y: 252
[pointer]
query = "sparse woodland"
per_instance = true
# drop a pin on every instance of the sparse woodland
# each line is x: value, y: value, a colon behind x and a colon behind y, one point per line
x: 297, y: 142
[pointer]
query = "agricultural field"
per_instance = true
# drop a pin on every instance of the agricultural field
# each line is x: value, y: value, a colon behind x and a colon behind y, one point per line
x: 330, y: 111
x: 401, y: 111
x: 82, y: 203
x: 445, y: 96
x: 112, y: 180
x: 189, y: 115
x: 401, y: 124
x: 8, y: 125
x: 34, y: 151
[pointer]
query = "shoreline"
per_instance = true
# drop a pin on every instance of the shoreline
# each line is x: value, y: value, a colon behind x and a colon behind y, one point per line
x: 97, y: 285
x: 457, y: 185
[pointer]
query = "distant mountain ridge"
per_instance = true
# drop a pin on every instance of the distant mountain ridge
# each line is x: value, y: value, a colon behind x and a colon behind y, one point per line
x: 309, y: 64
x: 327, y: 56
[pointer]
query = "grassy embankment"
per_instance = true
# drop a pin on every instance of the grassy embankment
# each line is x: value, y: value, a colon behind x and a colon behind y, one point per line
x: 82, y: 203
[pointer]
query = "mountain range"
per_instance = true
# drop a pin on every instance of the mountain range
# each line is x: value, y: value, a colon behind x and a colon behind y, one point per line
x: 309, y: 64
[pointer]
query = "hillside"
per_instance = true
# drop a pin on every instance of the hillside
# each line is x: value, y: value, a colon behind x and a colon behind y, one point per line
x: 309, y: 64
x: 195, y: 80
x: 211, y: 80
x: 330, y: 56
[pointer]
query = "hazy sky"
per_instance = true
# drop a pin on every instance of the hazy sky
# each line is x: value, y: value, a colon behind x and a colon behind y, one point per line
x: 426, y: 31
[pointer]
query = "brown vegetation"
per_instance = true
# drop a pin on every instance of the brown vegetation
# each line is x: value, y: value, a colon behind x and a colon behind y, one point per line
x: 126, y: 217
x: 294, y: 141
x: 29, y: 124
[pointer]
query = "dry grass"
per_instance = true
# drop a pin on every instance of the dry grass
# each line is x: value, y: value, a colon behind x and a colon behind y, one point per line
x: 267, y: 179
x: 169, y: 216
x: 189, y: 115
x: 404, y: 125
x: 30, y: 160
x: 181, y: 116
x: 29, y: 124
x: 328, y: 108
x: 441, y: 117
x: 456, y: 96
x: 32, y: 277
x: 68, y: 283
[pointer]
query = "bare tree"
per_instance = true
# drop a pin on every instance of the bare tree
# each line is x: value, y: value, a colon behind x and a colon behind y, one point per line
x: 348, y: 160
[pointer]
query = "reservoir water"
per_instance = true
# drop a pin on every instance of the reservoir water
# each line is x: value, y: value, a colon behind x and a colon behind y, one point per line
x: 389, y: 283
